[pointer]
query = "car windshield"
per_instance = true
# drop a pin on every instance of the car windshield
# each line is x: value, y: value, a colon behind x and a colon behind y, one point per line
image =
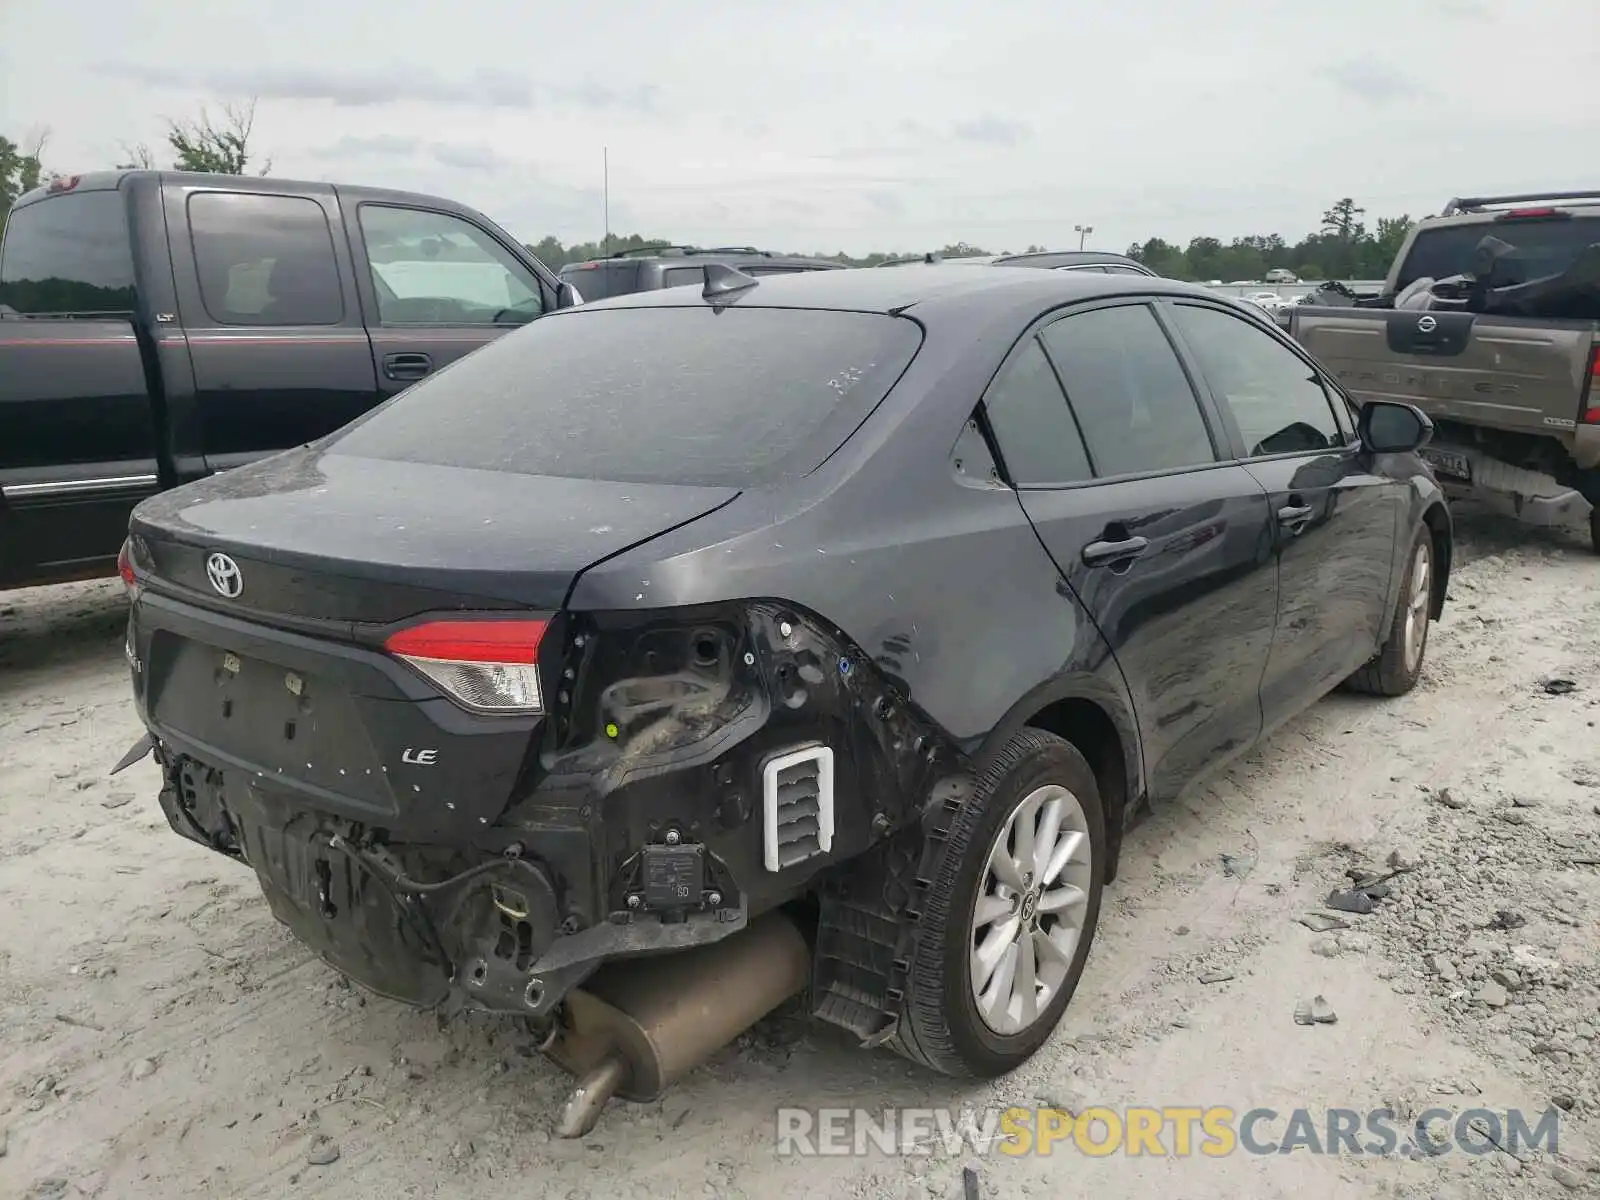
x: 741, y: 397
x: 1545, y: 246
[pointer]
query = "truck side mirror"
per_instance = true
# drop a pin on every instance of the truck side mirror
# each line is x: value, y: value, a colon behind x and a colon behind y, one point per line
x: 567, y: 296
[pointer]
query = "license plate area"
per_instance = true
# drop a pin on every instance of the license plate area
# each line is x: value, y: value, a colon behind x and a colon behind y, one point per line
x: 278, y: 722
x: 1448, y: 462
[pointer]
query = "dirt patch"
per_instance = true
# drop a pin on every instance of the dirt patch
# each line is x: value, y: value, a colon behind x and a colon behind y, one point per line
x: 160, y: 1035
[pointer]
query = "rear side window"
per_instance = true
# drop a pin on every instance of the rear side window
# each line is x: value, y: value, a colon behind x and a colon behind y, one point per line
x: 1276, y: 399
x: 741, y: 398
x: 1543, y: 247
x: 683, y: 277
x: 1028, y: 412
x: 264, y: 260
x: 68, y: 254
x: 600, y: 280
x: 1128, y: 391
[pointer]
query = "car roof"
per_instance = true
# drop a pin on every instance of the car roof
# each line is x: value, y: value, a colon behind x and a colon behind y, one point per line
x: 1065, y: 258
x: 936, y: 286
x: 694, y: 255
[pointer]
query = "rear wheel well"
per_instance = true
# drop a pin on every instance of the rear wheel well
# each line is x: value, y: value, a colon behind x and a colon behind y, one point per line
x: 1438, y: 524
x: 1086, y: 725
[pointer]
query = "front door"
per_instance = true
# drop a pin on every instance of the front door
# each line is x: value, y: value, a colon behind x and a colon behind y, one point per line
x: 440, y: 287
x: 1334, y: 517
x: 1166, y: 547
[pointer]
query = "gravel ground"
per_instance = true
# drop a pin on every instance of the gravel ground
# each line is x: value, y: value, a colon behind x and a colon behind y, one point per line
x: 160, y: 1035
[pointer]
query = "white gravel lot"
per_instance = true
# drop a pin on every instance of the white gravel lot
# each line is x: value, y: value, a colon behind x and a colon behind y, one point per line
x: 162, y: 1036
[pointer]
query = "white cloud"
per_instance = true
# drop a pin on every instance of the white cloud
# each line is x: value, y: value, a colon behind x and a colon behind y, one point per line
x: 834, y: 124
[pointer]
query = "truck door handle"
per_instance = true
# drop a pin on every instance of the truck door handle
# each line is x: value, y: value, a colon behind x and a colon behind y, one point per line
x: 1099, y: 554
x: 406, y: 366
x: 1294, y: 516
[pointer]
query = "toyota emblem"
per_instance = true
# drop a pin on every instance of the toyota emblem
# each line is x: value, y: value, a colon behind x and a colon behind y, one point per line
x: 224, y: 575
x: 1426, y: 324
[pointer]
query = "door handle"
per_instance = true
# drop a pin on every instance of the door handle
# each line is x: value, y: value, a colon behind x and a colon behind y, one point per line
x: 1294, y: 516
x: 406, y: 366
x: 1099, y: 554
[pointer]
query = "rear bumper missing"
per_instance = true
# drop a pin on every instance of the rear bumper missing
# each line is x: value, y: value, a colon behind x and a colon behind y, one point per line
x: 431, y: 926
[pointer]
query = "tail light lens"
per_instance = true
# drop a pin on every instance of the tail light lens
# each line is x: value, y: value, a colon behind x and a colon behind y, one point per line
x: 130, y: 581
x: 487, y: 666
x: 1591, y: 411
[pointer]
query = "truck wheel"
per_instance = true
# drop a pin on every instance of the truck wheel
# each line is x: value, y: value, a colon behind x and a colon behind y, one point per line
x: 1594, y: 529
x: 1006, y: 926
x: 1397, y: 666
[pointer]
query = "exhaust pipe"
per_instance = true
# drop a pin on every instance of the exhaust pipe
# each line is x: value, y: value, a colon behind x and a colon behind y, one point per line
x: 639, y: 1025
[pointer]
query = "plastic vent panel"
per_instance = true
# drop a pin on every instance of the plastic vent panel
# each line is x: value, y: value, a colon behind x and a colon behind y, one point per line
x: 797, y: 806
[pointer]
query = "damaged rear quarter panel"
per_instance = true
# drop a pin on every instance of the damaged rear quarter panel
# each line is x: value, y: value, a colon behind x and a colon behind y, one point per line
x: 936, y: 576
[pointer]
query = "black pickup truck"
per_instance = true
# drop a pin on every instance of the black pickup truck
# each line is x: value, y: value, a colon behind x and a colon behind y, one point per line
x: 156, y: 327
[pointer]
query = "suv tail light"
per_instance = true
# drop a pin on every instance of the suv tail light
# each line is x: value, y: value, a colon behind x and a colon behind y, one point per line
x: 130, y: 581
x: 1591, y: 411
x: 487, y: 666
x: 1531, y: 214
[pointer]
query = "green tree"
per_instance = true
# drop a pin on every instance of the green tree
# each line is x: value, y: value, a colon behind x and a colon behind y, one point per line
x: 215, y: 148
x: 20, y: 171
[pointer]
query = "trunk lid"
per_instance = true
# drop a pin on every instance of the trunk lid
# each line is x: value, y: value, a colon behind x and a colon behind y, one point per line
x: 319, y: 537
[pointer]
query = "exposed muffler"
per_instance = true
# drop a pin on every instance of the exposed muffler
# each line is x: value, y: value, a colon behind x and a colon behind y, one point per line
x: 639, y: 1025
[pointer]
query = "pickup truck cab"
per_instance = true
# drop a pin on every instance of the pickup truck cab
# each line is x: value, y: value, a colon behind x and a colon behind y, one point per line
x: 157, y: 327
x: 1489, y: 322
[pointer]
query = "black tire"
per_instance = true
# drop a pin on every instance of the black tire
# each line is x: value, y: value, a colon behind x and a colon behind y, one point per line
x: 1389, y: 674
x: 940, y: 1026
x: 1594, y: 530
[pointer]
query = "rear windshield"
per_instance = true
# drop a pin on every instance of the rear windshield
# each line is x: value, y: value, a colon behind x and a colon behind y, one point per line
x: 744, y: 397
x: 68, y: 254
x: 602, y: 280
x: 1544, y: 247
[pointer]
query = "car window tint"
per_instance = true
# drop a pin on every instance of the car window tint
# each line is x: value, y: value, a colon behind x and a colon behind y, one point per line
x: 736, y: 397
x: 1276, y: 398
x: 264, y: 260
x: 1128, y: 391
x: 1028, y: 412
x: 1119, y: 269
x: 68, y: 254
x: 432, y: 268
x: 683, y: 277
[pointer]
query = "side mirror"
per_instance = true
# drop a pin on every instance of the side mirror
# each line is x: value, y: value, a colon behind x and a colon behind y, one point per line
x: 567, y: 296
x: 1388, y: 428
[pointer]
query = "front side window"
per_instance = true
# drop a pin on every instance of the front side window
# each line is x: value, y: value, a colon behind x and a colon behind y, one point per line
x: 1128, y: 391
x: 1028, y: 413
x: 1275, y: 397
x: 433, y: 268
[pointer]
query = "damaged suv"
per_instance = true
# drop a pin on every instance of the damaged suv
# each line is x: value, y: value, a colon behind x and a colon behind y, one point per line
x: 822, y: 634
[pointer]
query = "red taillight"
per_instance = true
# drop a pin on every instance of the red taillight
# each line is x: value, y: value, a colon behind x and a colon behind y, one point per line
x: 1528, y: 214
x: 1591, y: 414
x: 490, y: 666
x: 63, y: 183
x: 130, y: 581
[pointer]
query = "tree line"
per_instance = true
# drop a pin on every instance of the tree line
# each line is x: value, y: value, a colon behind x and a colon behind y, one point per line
x: 1343, y: 247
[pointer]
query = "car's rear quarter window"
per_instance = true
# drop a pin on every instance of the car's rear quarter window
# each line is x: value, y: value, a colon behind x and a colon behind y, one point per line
x: 743, y: 397
x: 68, y: 254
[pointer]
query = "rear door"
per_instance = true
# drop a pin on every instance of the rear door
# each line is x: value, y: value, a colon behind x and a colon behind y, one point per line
x: 437, y: 285
x: 1335, y: 517
x: 266, y: 297
x: 1165, y: 544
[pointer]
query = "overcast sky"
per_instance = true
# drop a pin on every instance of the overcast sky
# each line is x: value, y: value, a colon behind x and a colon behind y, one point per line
x: 847, y: 124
